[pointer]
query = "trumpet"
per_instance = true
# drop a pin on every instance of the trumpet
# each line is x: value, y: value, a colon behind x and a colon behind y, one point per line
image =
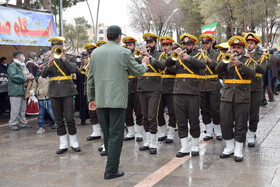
x: 84, y: 69
x: 176, y: 56
x: 57, y: 51
x: 227, y: 57
x: 138, y: 53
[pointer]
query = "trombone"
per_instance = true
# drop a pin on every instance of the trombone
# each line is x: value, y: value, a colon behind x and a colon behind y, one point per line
x: 176, y: 56
x: 227, y: 57
x: 139, y: 54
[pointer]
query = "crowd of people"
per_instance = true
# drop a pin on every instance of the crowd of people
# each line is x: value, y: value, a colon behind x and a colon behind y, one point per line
x: 111, y: 85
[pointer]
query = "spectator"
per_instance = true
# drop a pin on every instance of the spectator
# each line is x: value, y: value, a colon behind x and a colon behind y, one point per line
x: 274, y: 65
x: 32, y: 66
x: 18, y: 75
x: 3, y: 84
x: 41, y: 89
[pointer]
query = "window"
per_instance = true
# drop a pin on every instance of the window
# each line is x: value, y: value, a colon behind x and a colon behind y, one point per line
x: 101, y: 31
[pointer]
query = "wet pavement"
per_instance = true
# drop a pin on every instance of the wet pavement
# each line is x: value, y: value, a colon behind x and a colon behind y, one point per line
x: 29, y: 159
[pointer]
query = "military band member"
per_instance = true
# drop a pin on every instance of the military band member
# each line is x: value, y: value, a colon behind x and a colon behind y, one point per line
x: 222, y: 47
x: 99, y: 43
x: 168, y: 78
x: 254, y: 52
x: 235, y: 98
x: 210, y: 90
x: 186, y: 94
x: 61, y: 92
x: 149, y: 86
x: 133, y: 100
x: 175, y: 45
x: 96, y: 131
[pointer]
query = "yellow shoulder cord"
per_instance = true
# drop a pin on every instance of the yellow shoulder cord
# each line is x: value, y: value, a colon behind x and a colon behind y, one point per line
x: 218, y: 58
x: 240, y: 77
x: 152, y: 68
x: 163, y: 54
x: 262, y: 59
x: 181, y: 63
x: 247, y: 63
x: 58, y: 68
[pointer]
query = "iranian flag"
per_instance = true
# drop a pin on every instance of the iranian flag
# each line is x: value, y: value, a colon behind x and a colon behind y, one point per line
x: 209, y: 29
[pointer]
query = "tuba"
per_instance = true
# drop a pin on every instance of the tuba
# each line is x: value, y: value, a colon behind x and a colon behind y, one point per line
x: 176, y: 56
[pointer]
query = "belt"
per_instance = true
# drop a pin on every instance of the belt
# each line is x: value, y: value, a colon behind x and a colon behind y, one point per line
x: 60, y: 78
x: 184, y: 75
x: 151, y: 74
x: 207, y: 76
x: 258, y: 75
x: 131, y: 77
x: 237, y: 81
x: 168, y: 76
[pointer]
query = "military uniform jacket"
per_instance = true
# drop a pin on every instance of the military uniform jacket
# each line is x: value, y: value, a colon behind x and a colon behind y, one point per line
x: 189, y: 68
x: 61, y: 88
x: 237, y: 92
x: 148, y: 83
x: 209, y: 80
x: 132, y: 81
x: 168, y: 78
x: 260, y: 63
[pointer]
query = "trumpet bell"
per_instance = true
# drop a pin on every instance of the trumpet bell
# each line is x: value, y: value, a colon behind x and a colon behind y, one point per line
x: 137, y: 54
x: 175, y: 56
x: 226, y: 58
x: 57, y: 51
x: 84, y: 69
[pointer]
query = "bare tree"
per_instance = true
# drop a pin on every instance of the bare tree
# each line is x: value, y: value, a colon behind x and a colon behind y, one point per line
x: 47, y: 4
x: 152, y: 15
x: 19, y: 3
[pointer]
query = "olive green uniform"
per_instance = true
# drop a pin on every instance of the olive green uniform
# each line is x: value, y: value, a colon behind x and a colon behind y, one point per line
x: 133, y: 102
x: 210, y: 91
x: 61, y: 93
x: 186, y: 93
x: 257, y: 89
x: 168, y: 79
x: 150, y: 88
x: 235, y: 98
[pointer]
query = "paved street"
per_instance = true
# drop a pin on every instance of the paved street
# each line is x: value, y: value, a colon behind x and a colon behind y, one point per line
x: 28, y: 159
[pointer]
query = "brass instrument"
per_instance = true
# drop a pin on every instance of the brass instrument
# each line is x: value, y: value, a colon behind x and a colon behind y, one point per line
x: 227, y: 57
x: 57, y: 51
x: 176, y: 56
x: 138, y: 53
x: 84, y: 69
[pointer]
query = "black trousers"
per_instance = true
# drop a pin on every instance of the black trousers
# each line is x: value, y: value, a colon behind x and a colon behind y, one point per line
x: 3, y: 101
x: 187, y: 110
x: 234, y: 115
x: 150, y: 104
x: 133, y: 105
x: 167, y: 100
x: 255, y: 104
x: 112, y: 126
x: 63, y: 108
x: 94, y: 117
x: 210, y: 107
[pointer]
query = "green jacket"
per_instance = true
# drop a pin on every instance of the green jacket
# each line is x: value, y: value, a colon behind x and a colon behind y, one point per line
x: 16, y: 80
x: 107, y: 81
